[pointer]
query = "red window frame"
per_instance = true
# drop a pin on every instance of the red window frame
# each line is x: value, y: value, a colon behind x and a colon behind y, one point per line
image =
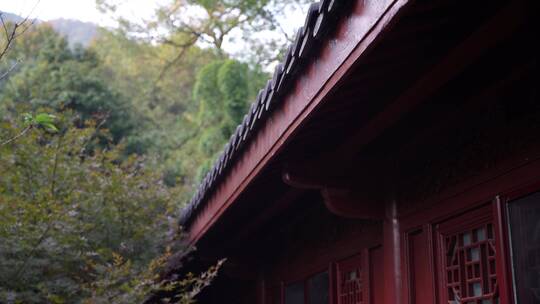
x: 498, y: 189
x: 463, y: 212
x: 466, y: 253
x: 352, y: 280
x: 354, y: 291
x: 305, y: 282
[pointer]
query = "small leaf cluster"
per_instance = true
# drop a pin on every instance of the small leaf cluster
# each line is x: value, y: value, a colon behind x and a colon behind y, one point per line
x: 44, y: 120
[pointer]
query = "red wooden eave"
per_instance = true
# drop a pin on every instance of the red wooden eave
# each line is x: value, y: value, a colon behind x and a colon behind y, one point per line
x: 354, y: 34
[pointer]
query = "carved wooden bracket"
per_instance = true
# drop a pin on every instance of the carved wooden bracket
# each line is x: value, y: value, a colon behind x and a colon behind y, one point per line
x: 342, y: 196
x: 352, y: 204
x: 307, y: 176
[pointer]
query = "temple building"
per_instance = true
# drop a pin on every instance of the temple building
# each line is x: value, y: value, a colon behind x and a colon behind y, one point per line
x: 393, y: 158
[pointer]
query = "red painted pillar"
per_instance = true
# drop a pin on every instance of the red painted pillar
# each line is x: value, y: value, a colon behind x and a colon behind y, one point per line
x: 392, y: 255
x: 505, y: 290
x: 261, y: 289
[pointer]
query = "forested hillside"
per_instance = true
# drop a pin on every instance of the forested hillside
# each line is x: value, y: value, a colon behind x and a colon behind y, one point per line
x: 100, y: 146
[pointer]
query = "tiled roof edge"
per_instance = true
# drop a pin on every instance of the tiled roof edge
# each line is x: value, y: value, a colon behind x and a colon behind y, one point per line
x: 321, y: 18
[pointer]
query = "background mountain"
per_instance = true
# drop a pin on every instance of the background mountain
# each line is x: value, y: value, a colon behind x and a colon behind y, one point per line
x: 75, y: 31
x: 11, y: 17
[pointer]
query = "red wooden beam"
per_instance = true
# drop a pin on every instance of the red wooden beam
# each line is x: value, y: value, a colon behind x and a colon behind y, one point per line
x: 497, y: 29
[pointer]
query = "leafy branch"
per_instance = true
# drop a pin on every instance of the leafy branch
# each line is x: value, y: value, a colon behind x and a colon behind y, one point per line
x: 41, y: 120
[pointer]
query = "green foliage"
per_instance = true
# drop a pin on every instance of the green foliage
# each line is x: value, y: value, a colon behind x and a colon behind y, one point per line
x: 160, y: 95
x: 208, y: 95
x: 56, y: 76
x: 41, y: 120
x: 233, y: 85
x: 121, y: 283
x: 77, y: 227
x: 222, y: 93
x: 44, y: 120
x: 88, y: 195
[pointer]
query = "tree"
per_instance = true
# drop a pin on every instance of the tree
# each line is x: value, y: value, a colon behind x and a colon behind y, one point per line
x: 8, y: 33
x: 222, y: 93
x: 53, y: 75
x: 77, y: 227
x: 213, y: 22
x: 133, y: 67
x: 78, y: 224
x: 176, y: 105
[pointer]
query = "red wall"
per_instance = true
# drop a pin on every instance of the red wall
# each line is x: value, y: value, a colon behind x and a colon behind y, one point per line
x: 421, y: 275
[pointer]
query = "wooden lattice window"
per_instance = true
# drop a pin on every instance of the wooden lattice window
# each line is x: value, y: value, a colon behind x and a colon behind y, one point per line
x: 468, y: 261
x: 351, y: 281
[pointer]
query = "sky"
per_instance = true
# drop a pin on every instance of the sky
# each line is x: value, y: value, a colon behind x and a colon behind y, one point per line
x: 133, y: 10
x: 84, y: 10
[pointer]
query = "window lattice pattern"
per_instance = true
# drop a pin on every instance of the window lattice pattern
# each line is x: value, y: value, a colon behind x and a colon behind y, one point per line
x: 350, y: 291
x: 471, y: 276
